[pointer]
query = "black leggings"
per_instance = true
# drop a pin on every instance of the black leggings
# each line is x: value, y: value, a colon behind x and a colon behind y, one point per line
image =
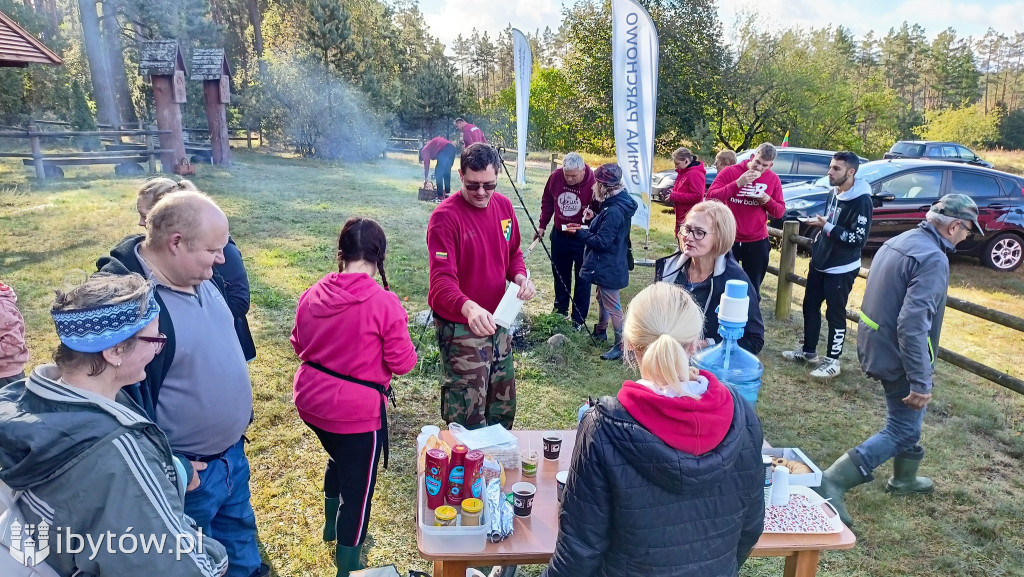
x: 443, y: 171
x: 834, y: 291
x: 352, y: 480
x: 753, y: 258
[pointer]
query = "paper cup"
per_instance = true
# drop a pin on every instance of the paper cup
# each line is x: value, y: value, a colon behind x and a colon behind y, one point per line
x: 522, y: 498
x: 560, y: 479
x: 552, y: 445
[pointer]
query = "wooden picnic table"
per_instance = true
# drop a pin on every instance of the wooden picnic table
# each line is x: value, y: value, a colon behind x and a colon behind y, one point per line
x: 533, y: 540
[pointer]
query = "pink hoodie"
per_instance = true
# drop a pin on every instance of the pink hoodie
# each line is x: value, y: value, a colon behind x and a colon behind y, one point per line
x: 13, y: 353
x: 350, y: 325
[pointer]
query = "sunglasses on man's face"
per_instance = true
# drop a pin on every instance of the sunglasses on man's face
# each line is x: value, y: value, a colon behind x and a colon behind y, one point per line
x: 477, y: 185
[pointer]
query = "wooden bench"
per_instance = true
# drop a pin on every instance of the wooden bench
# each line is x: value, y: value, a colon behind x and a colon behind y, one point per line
x: 200, y: 152
x: 52, y: 163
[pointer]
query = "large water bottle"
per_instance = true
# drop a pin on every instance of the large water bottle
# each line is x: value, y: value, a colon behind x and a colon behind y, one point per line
x: 729, y: 362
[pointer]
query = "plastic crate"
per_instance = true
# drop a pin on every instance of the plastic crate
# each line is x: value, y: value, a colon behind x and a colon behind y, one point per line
x: 456, y: 539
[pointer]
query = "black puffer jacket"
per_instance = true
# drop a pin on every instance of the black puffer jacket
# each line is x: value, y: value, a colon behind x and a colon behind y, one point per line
x: 634, y: 506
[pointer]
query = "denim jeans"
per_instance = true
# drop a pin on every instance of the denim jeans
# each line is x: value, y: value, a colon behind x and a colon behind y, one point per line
x: 902, y: 428
x: 221, y: 507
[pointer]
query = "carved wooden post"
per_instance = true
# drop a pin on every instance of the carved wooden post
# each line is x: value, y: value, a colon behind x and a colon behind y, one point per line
x: 162, y: 61
x: 211, y: 66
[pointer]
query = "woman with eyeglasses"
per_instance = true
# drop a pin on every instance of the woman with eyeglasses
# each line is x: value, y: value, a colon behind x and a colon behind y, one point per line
x: 703, y: 265
x: 85, y: 457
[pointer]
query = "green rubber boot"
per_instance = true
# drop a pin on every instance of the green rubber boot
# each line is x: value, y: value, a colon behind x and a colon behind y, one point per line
x: 346, y: 559
x: 904, y: 480
x: 331, y: 505
x: 846, y: 473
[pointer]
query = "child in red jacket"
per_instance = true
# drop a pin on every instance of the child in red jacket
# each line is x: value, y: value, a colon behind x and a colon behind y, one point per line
x: 13, y: 353
x: 352, y: 336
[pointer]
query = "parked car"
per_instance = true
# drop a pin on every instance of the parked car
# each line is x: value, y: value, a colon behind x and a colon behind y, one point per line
x: 932, y: 150
x: 904, y: 190
x: 791, y: 164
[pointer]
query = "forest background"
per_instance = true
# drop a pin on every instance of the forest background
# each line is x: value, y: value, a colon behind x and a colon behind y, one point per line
x: 335, y: 79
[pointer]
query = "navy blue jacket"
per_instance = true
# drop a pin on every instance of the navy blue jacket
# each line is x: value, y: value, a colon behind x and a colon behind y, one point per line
x: 236, y: 293
x: 635, y: 506
x: 604, y: 258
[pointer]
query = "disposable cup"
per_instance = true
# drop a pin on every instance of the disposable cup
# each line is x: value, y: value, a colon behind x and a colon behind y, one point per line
x: 529, y: 460
x: 522, y: 498
x: 552, y: 445
x: 560, y: 478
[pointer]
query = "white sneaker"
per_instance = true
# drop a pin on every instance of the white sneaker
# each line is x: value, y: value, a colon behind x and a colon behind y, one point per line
x: 800, y: 356
x: 827, y: 369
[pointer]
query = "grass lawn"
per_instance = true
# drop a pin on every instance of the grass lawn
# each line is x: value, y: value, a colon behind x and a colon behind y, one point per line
x: 285, y: 214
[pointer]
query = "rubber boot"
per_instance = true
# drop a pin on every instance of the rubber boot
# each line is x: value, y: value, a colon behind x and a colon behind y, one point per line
x: 846, y: 473
x: 904, y: 480
x: 615, y: 352
x: 346, y: 559
x: 331, y: 505
x: 600, y: 334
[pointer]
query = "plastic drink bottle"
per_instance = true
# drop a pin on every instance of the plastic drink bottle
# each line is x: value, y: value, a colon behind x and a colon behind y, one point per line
x: 729, y: 362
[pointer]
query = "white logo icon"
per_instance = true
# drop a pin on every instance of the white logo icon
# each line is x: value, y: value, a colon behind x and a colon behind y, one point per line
x: 33, y: 547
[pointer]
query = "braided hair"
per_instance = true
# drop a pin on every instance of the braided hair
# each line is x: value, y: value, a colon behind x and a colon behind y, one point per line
x: 363, y: 239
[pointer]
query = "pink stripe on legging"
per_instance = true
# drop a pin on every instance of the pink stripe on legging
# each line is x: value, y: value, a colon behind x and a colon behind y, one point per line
x: 366, y: 493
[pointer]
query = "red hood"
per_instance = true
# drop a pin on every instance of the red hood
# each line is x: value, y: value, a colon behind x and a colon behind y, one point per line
x: 696, y: 166
x: 336, y: 292
x: 694, y: 426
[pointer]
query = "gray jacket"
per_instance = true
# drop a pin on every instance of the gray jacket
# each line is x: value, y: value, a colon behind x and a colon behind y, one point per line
x: 895, y: 336
x: 93, y: 467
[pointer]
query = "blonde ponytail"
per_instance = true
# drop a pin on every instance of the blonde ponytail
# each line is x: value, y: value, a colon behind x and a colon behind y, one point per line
x: 662, y: 323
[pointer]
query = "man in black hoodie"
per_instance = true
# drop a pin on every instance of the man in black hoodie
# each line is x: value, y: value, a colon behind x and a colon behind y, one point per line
x: 835, y: 262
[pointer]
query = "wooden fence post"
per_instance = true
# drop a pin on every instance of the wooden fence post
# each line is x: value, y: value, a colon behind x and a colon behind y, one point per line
x: 787, y: 264
x: 150, y: 150
x: 37, y: 152
x: 554, y: 161
x: 248, y: 138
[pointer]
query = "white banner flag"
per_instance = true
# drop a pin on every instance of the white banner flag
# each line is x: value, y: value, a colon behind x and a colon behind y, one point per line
x: 635, y: 100
x: 523, y: 58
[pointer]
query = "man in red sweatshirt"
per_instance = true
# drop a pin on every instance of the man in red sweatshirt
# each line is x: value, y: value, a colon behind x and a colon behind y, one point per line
x: 752, y: 191
x: 568, y: 196
x: 473, y: 244
x: 470, y: 133
x: 441, y: 149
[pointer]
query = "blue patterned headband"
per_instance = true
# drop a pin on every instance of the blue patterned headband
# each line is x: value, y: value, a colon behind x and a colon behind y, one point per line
x: 96, y: 329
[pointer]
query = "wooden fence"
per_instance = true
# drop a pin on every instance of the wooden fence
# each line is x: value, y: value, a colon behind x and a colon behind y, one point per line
x: 52, y: 161
x: 789, y: 235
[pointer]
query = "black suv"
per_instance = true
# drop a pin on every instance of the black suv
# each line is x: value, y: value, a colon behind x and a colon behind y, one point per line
x: 904, y: 190
x: 930, y: 150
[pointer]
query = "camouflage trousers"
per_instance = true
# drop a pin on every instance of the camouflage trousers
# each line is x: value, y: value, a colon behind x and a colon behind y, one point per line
x: 479, y: 387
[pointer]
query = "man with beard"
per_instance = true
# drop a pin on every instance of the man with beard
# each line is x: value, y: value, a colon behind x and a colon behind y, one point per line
x: 835, y: 262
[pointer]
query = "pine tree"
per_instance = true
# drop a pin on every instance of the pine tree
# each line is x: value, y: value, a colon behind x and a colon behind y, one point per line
x: 82, y: 118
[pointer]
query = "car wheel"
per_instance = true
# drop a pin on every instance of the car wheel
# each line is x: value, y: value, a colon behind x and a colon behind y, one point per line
x: 1004, y: 253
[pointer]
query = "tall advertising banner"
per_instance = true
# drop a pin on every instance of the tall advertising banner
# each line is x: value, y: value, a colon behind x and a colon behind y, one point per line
x: 635, y: 100
x: 523, y: 59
